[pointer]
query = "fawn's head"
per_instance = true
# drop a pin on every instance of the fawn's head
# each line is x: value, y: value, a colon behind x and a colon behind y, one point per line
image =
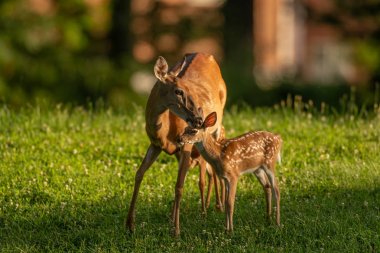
x: 175, y: 94
x: 194, y: 135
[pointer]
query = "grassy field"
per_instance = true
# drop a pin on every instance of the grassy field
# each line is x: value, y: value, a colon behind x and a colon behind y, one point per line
x: 67, y: 175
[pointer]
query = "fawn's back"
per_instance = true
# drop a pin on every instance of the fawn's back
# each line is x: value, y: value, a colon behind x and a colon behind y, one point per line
x: 249, y: 151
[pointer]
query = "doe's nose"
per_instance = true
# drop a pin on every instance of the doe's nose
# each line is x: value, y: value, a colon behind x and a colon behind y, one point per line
x: 180, y: 140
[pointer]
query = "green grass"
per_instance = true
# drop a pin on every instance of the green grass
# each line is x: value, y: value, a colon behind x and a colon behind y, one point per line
x: 67, y: 175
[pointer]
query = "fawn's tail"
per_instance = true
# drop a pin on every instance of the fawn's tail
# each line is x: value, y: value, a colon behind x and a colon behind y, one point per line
x: 279, y: 158
x: 279, y: 151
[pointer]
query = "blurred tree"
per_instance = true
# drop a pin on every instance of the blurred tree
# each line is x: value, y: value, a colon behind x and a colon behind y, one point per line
x: 119, y: 34
x: 66, y: 50
x: 238, y: 51
x: 59, y: 51
x: 359, y: 23
x: 238, y: 33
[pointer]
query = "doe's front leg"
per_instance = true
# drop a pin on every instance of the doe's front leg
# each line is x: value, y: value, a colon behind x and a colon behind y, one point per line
x: 184, y: 166
x: 150, y: 156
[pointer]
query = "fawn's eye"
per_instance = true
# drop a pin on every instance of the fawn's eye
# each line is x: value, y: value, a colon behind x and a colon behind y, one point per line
x: 178, y: 92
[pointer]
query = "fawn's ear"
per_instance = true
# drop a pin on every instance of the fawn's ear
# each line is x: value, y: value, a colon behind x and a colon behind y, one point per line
x: 161, y: 69
x: 210, y: 120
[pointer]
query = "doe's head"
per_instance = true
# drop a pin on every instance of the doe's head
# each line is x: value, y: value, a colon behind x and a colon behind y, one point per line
x: 193, y: 135
x: 176, y: 95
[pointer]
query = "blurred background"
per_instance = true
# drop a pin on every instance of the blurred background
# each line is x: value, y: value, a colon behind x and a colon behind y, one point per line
x: 81, y: 51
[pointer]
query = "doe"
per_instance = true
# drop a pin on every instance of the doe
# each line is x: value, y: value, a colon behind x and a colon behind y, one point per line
x: 253, y: 152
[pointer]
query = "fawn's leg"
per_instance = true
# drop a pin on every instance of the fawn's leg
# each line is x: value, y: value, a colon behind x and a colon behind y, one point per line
x: 150, y: 156
x: 201, y: 183
x: 184, y: 165
x: 231, y: 200
x: 264, y: 181
x: 275, y: 191
x: 210, y: 175
x: 223, y: 191
x: 219, y: 190
x: 227, y: 204
x: 178, y: 156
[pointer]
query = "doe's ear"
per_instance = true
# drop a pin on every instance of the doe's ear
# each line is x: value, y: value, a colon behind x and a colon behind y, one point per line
x: 210, y: 120
x: 178, y: 68
x: 200, y: 112
x: 161, y: 69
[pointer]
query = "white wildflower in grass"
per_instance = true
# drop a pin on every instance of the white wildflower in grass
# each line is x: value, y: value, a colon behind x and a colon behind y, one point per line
x: 63, y: 205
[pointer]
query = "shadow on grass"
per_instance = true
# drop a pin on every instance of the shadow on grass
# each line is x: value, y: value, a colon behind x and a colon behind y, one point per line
x: 341, y: 219
x: 338, y: 219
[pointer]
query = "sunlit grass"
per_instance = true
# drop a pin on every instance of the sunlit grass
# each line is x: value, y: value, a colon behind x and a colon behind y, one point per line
x: 67, y: 175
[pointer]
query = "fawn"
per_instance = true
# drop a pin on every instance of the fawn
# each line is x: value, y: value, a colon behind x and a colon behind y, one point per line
x: 253, y: 152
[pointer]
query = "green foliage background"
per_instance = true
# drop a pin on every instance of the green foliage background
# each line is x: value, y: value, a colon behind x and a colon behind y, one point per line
x: 60, y: 57
x: 68, y: 55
